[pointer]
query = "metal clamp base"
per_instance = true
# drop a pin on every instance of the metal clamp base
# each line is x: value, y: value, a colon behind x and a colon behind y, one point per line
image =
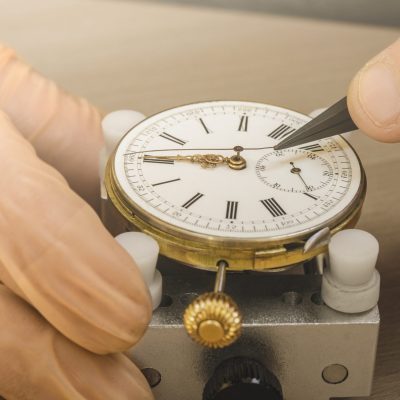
x: 285, y: 327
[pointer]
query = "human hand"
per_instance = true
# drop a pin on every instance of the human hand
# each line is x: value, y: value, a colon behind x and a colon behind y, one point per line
x: 71, y: 297
x: 374, y: 96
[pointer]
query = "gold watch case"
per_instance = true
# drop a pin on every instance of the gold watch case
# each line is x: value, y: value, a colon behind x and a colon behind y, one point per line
x: 204, y: 252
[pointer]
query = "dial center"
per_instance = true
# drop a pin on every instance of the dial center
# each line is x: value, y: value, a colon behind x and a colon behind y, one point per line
x: 294, y: 170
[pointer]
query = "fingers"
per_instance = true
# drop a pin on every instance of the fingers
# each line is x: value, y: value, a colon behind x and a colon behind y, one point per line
x: 374, y: 96
x: 55, y: 253
x: 64, y: 130
x: 37, y: 362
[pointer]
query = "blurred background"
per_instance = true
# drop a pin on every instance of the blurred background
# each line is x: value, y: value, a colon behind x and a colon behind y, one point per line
x: 386, y: 12
x: 155, y: 54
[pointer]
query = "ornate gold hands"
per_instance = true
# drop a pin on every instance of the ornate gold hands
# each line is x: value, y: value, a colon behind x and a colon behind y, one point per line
x: 205, y: 160
x: 236, y: 161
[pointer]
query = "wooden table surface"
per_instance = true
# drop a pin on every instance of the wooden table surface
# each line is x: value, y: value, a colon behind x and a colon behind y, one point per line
x: 149, y: 57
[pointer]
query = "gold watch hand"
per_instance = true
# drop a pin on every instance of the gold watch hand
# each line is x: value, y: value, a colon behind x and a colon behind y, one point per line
x: 205, y: 160
x: 236, y: 161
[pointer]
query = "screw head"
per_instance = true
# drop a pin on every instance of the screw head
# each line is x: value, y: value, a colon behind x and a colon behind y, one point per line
x: 335, y: 373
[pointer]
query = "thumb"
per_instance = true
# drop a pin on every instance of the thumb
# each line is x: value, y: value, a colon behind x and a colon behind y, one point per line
x: 374, y: 96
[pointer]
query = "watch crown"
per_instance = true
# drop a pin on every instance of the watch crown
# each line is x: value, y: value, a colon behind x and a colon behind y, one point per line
x: 213, y: 320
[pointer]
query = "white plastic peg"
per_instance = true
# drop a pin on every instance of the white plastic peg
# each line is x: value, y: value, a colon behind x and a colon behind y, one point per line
x: 115, y: 125
x: 144, y: 250
x: 351, y: 283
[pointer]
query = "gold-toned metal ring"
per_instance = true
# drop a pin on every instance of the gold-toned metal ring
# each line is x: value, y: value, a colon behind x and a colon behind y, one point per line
x: 213, y: 320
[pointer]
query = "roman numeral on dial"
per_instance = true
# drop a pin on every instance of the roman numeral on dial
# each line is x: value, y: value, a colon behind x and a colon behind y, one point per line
x: 155, y: 160
x: 312, y: 147
x: 172, y: 138
x: 193, y: 200
x: 204, y: 125
x: 273, y: 207
x: 231, y: 209
x: 244, y: 121
x: 281, y: 132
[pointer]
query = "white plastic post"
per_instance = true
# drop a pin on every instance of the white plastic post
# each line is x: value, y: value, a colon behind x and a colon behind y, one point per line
x: 351, y: 283
x: 144, y: 250
x: 115, y: 125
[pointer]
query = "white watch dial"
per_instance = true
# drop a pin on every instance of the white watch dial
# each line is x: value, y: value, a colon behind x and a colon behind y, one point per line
x: 279, y: 193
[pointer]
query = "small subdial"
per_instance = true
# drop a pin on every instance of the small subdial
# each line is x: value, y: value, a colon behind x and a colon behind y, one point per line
x: 294, y: 170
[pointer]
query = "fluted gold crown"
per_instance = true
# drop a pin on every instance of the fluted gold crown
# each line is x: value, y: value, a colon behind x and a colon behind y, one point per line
x: 213, y: 320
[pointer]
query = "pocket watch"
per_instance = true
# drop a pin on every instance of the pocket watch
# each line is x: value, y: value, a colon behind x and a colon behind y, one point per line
x: 204, y: 180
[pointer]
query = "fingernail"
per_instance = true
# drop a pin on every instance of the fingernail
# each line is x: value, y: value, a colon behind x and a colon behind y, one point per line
x: 379, y: 91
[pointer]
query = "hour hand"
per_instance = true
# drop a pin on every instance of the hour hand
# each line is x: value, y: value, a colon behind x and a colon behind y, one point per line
x: 205, y: 160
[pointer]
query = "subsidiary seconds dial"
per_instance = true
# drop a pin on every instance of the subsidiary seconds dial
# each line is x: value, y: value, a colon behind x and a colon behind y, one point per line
x: 208, y: 170
x: 298, y: 170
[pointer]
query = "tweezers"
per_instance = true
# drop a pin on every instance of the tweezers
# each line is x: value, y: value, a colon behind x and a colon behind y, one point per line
x: 333, y: 121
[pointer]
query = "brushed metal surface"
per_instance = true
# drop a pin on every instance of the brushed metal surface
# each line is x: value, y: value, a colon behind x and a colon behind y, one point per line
x: 295, y: 340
